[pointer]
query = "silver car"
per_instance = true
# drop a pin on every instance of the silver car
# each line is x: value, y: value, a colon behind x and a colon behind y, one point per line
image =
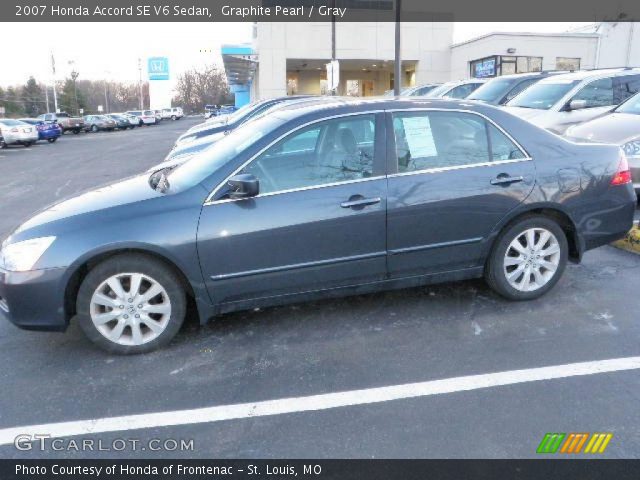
x: 16, y: 132
x: 560, y: 101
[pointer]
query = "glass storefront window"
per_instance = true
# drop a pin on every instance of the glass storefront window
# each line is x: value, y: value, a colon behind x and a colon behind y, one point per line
x: 565, y: 63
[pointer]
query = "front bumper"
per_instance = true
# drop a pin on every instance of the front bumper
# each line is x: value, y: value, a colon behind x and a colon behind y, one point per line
x: 34, y: 300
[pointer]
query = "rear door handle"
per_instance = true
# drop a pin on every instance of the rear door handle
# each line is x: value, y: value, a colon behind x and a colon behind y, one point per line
x: 360, y: 202
x: 504, y: 179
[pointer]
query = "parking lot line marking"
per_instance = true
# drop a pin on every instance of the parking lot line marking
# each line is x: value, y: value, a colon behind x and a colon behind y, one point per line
x: 319, y: 402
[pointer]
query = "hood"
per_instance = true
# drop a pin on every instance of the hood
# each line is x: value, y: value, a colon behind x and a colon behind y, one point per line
x: 533, y: 115
x: 128, y: 191
x: 616, y: 128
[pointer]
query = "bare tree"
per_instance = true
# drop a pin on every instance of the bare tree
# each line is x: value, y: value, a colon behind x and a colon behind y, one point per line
x: 199, y: 87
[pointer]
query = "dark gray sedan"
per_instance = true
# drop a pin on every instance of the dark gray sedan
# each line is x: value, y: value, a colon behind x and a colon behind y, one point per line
x: 318, y: 200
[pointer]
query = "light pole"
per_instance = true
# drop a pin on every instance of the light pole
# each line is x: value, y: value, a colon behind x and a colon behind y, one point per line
x: 74, y: 77
x: 140, y: 82
x: 106, y: 92
x: 398, y: 65
x: 53, y: 73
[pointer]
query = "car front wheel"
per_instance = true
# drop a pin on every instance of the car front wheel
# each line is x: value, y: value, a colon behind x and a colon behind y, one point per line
x: 527, y: 259
x: 131, y: 304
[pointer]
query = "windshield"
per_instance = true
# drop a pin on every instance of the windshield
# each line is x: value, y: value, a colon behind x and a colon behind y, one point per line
x: 543, y: 95
x: 440, y: 91
x: 631, y: 106
x: 493, y: 91
x: 241, y: 112
x: 10, y: 123
x: 208, y: 161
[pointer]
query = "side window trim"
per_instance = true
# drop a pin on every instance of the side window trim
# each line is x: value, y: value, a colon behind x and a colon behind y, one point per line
x: 392, y: 163
x: 378, y: 170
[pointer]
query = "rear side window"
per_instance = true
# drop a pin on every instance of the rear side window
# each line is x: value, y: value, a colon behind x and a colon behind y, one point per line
x: 598, y: 93
x: 431, y: 140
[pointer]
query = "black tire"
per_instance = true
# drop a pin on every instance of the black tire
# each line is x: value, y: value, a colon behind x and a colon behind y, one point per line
x: 495, y: 270
x: 52, y: 140
x: 94, y: 128
x: 76, y: 131
x: 173, y: 117
x: 2, y: 144
x: 27, y: 144
x: 132, y: 263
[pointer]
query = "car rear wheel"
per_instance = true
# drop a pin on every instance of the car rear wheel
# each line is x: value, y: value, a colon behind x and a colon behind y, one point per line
x: 52, y: 140
x: 131, y: 304
x: 27, y: 144
x: 94, y: 128
x: 76, y: 131
x: 173, y: 117
x: 527, y: 259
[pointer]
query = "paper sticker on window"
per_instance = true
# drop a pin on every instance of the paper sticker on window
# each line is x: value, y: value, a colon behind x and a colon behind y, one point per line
x: 419, y: 137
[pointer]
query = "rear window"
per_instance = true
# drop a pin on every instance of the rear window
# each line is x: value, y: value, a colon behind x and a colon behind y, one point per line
x: 148, y: 112
x: 62, y: 115
x: 11, y: 123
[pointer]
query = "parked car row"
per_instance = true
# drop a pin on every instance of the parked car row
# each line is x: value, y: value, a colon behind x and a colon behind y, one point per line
x: 50, y: 126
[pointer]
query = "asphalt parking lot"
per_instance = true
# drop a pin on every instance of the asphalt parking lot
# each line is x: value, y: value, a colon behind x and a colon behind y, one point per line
x: 360, y: 343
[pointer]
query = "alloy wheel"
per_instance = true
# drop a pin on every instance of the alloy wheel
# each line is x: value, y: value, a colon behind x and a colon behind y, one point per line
x: 130, y: 309
x: 531, y: 259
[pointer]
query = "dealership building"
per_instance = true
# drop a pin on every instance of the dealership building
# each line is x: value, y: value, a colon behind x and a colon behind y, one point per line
x: 291, y: 58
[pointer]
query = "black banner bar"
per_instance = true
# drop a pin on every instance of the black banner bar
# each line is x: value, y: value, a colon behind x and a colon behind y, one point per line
x: 316, y: 10
x: 586, y: 469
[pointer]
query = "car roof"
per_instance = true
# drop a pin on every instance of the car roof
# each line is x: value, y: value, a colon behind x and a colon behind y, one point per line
x: 340, y: 105
x: 591, y: 74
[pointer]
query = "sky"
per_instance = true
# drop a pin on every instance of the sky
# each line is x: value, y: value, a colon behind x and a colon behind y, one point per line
x: 111, y: 51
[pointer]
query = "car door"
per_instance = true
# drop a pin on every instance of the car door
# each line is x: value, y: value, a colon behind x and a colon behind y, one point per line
x: 317, y: 223
x: 453, y: 176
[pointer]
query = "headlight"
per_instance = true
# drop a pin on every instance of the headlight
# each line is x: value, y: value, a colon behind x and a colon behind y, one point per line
x: 632, y: 149
x: 22, y: 256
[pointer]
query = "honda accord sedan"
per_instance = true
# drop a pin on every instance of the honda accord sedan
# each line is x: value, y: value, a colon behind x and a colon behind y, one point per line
x: 313, y: 201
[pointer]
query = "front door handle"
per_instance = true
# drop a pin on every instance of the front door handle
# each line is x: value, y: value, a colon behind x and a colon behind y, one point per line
x: 504, y: 179
x: 360, y: 202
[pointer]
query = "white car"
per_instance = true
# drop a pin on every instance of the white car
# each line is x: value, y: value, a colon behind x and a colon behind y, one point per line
x: 145, y: 117
x: 174, y: 113
x: 560, y: 101
x: 16, y: 132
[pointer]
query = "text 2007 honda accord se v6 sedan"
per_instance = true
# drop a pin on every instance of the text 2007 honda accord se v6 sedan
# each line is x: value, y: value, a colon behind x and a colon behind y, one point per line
x: 317, y: 199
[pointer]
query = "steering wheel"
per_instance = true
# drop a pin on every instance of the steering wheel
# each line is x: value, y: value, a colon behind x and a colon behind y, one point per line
x: 265, y: 175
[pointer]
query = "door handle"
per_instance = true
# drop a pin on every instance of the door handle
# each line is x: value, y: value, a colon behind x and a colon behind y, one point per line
x: 504, y: 179
x: 360, y: 202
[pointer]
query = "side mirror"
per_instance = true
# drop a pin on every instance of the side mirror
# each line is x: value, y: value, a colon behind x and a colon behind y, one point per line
x: 243, y: 185
x: 577, y: 104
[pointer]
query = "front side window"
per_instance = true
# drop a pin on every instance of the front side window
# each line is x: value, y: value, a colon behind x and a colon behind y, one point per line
x: 430, y: 140
x: 598, y: 93
x: 331, y: 151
